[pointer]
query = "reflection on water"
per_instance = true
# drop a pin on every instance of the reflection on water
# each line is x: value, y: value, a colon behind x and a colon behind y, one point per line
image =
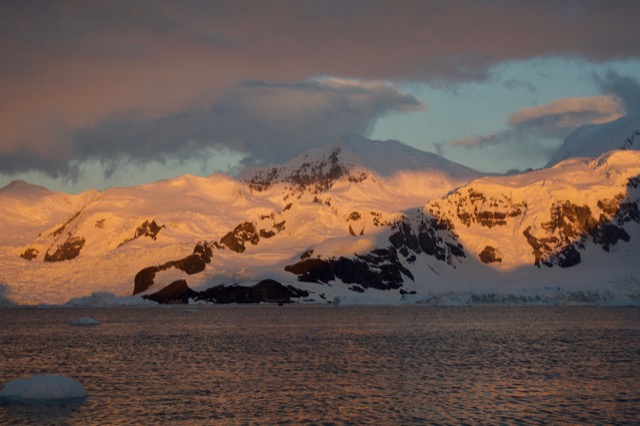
x: 315, y: 364
x: 39, y: 412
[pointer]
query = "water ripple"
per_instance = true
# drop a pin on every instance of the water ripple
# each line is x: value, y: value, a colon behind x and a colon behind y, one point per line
x: 322, y: 365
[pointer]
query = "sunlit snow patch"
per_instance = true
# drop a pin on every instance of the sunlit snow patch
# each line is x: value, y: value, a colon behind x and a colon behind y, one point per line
x: 84, y: 321
x: 43, y: 387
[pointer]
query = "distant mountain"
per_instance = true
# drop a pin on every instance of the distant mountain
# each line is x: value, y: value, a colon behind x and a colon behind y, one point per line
x: 595, y: 139
x: 419, y: 174
x: 353, y: 222
x: 381, y: 157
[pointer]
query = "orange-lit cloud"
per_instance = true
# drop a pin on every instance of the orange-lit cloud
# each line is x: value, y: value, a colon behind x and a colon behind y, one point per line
x: 553, y: 120
x: 568, y: 113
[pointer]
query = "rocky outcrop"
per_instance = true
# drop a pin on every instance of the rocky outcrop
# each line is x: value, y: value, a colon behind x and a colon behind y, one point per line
x: 474, y: 207
x: 571, y: 226
x: 430, y: 236
x: 266, y: 291
x: 247, y: 232
x: 68, y: 250
x: 311, y: 176
x: 30, y: 253
x: 62, y: 227
x: 192, y: 264
x: 243, y: 233
x: 315, y: 177
x: 489, y: 255
x: 380, y: 269
x: 178, y: 292
x: 146, y: 229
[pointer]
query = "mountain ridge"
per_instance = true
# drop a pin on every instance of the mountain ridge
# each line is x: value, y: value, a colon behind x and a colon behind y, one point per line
x: 330, y: 230
x: 592, y: 140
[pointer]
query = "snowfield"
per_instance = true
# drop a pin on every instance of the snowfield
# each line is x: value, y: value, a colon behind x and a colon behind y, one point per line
x: 358, y: 222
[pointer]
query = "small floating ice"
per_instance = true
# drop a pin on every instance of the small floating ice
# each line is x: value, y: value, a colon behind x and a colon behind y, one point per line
x: 43, y: 387
x: 85, y: 321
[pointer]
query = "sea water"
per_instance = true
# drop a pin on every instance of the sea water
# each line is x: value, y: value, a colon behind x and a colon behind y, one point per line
x: 326, y: 365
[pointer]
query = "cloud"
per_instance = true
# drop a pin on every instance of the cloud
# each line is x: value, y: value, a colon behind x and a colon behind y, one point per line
x: 625, y: 88
x: 478, y: 141
x: 513, y: 84
x: 511, y: 136
x: 77, y: 77
x: 553, y: 120
x: 558, y: 117
x: 267, y: 122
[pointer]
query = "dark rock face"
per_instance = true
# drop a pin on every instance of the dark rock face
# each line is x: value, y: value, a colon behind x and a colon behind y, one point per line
x: 490, y: 255
x: 248, y: 232
x: 608, y: 234
x: 354, y: 215
x: 380, y: 269
x: 475, y: 207
x: 146, y: 229
x: 245, y: 232
x: 202, y: 253
x: 628, y: 212
x: 430, y: 236
x: 30, y: 253
x: 353, y: 233
x: 313, y: 177
x: 570, y: 221
x: 312, y: 270
x: 571, y: 226
x: 540, y: 246
x: 269, y: 291
x: 145, y: 279
x: 192, y: 264
x: 70, y: 249
x: 567, y: 257
x: 178, y: 292
x: 61, y: 229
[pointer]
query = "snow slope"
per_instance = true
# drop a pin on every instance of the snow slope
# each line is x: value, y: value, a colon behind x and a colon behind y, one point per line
x: 55, y: 246
x: 354, y: 222
x: 592, y: 140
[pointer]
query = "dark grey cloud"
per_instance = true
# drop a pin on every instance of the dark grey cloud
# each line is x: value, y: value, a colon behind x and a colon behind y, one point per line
x: 265, y: 121
x: 624, y: 87
x: 54, y: 166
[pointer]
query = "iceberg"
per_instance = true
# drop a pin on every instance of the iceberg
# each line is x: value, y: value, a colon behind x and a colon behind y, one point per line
x: 43, y: 387
x: 85, y: 321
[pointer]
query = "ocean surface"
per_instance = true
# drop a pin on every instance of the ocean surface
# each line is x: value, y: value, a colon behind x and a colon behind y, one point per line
x: 325, y: 365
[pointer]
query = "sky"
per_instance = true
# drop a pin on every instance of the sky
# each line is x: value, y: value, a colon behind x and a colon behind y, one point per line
x: 114, y: 93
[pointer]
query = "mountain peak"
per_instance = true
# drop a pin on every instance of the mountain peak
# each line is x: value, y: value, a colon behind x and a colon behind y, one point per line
x: 354, y: 158
x: 592, y: 140
x: 23, y: 188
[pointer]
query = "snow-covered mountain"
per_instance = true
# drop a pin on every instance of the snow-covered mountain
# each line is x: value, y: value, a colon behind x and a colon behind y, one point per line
x: 593, y: 140
x: 355, y: 222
